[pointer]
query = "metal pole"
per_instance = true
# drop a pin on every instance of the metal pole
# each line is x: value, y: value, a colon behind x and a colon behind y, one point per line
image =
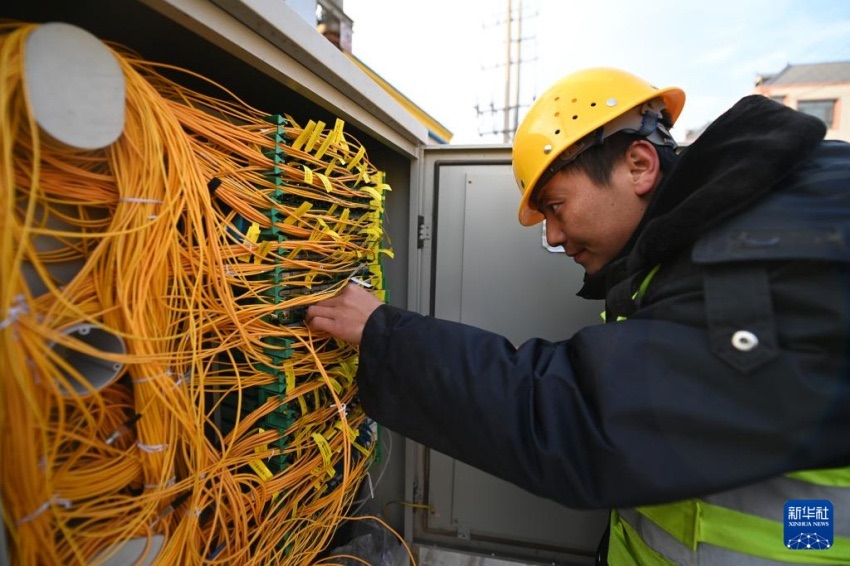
x: 518, y: 74
x: 508, y: 45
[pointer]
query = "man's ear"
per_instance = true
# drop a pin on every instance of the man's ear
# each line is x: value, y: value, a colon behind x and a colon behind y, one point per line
x: 644, y: 167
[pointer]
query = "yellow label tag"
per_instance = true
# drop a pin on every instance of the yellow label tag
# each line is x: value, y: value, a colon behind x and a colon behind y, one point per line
x: 361, y: 151
x: 253, y: 233
x: 298, y: 212
x: 262, y: 251
x: 325, y: 181
x: 290, y: 376
x: 260, y: 467
x: 325, y: 451
x: 302, y: 137
x: 314, y: 136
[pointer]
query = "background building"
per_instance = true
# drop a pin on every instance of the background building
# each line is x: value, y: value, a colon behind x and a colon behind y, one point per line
x: 818, y: 89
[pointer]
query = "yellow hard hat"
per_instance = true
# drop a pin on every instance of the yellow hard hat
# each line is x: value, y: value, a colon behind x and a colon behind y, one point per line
x: 573, y: 108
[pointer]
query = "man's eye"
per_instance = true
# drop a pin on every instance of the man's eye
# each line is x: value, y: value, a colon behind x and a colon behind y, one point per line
x: 552, y: 207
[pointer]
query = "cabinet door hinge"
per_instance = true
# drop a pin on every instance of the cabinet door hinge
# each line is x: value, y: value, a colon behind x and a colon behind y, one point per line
x: 423, y: 231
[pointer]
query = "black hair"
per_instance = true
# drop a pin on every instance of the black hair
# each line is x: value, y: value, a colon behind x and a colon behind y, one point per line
x: 598, y: 162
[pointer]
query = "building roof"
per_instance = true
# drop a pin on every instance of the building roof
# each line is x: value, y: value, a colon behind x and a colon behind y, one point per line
x: 836, y: 72
x: 436, y: 131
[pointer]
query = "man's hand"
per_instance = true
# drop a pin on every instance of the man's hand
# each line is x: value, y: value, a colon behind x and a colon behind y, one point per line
x: 345, y: 314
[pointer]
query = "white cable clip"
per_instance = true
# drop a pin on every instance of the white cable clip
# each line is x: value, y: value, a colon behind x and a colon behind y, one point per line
x: 171, y: 481
x: 356, y: 280
x: 371, y: 488
x: 19, y: 308
x: 151, y: 448
x: 140, y: 200
x: 55, y: 500
x: 168, y: 373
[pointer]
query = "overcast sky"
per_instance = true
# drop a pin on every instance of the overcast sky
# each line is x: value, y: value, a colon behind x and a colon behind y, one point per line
x: 448, y: 55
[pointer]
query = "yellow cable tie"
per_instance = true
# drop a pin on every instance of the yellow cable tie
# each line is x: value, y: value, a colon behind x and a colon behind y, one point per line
x: 302, y: 137
x: 362, y: 450
x: 343, y: 218
x: 250, y: 239
x: 387, y: 252
x: 361, y: 151
x: 352, y: 434
x: 325, y: 229
x: 323, y: 147
x: 337, y: 131
x: 325, y: 451
x: 375, y: 233
x: 308, y: 175
x: 325, y: 181
x: 364, y: 175
x: 253, y: 233
x: 372, y: 192
x: 330, y: 168
x: 262, y: 251
x: 314, y: 136
x: 298, y: 213
x: 348, y: 369
x: 332, y: 137
x: 290, y: 377
x: 261, y: 469
x: 335, y: 385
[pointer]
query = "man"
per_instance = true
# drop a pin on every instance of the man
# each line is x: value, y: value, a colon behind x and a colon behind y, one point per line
x: 719, y: 388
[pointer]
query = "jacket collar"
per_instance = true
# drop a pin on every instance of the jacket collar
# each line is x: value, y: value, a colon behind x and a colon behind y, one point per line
x: 736, y: 161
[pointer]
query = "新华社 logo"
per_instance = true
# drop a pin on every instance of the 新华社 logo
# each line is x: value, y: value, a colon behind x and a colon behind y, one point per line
x: 808, y: 524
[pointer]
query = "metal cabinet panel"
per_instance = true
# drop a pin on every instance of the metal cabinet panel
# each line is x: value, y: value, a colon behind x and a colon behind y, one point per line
x: 489, y: 271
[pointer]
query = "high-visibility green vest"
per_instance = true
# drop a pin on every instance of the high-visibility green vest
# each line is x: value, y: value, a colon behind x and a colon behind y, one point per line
x: 738, y: 527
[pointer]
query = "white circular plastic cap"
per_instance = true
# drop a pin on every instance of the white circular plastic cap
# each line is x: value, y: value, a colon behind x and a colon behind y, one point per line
x: 96, y: 372
x: 744, y: 340
x: 76, y: 86
x: 140, y: 551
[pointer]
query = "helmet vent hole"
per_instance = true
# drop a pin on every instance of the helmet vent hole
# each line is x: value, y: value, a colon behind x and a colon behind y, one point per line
x: 575, y: 117
x: 557, y: 132
x: 575, y: 100
x: 557, y: 98
x: 557, y: 114
x: 592, y: 104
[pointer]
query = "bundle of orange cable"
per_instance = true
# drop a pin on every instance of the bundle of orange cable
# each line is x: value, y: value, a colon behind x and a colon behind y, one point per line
x: 222, y: 432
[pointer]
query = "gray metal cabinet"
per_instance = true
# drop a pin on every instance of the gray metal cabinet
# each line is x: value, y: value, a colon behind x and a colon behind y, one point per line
x: 478, y: 265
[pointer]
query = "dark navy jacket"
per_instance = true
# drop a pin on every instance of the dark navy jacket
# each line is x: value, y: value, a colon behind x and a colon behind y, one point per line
x: 751, y: 229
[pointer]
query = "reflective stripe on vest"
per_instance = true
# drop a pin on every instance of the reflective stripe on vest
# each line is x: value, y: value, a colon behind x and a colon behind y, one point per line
x: 741, y: 527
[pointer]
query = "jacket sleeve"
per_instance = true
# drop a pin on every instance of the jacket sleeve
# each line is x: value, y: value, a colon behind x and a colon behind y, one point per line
x: 623, y: 414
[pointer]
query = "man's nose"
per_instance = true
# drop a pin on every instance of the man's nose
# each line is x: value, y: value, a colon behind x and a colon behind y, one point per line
x: 554, y: 235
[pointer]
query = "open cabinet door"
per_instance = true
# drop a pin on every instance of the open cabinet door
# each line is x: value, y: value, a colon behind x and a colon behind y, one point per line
x: 478, y: 265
